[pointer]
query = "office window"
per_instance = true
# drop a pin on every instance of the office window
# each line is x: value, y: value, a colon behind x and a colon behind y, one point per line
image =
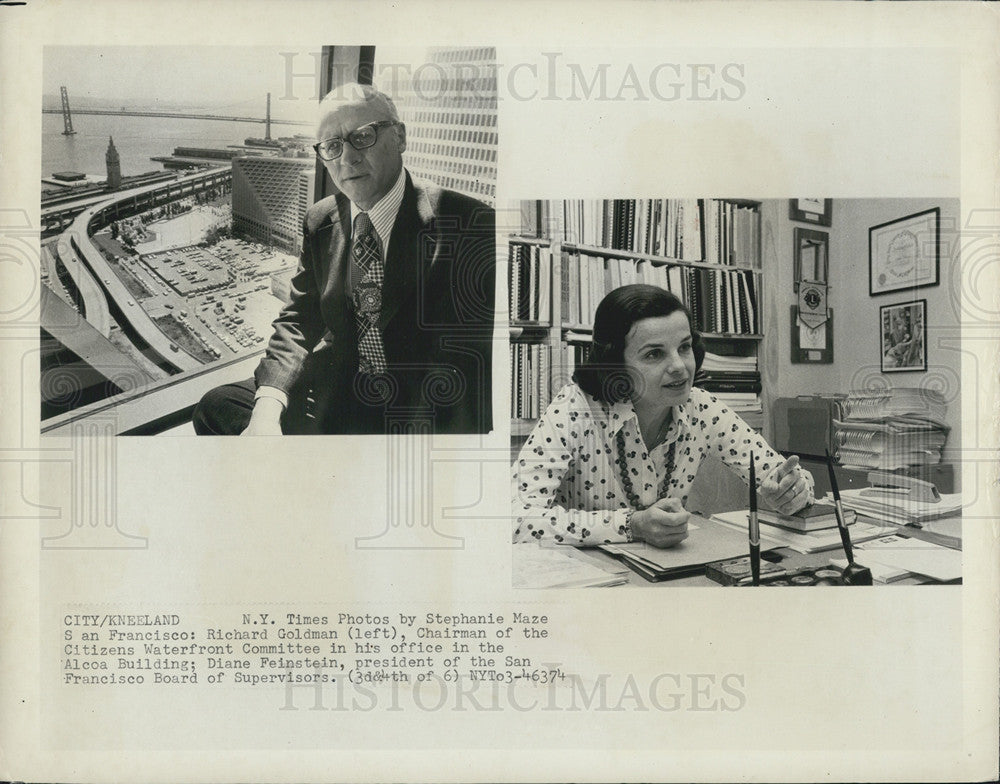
x: 443, y: 94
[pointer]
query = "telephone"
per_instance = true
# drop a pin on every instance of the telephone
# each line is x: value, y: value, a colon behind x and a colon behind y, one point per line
x: 890, y: 486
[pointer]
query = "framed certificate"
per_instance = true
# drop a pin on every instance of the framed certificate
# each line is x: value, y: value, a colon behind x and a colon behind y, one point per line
x: 904, y: 253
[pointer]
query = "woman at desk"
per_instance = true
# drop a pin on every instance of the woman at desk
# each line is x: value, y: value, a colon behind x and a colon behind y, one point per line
x: 614, y: 456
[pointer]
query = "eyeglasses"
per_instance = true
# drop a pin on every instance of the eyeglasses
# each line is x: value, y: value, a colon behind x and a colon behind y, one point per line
x: 360, y: 139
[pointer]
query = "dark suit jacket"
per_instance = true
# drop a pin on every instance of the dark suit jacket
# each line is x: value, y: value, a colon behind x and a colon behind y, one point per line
x: 437, y: 312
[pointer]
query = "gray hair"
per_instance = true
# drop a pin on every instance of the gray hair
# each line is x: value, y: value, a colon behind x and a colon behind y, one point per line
x: 352, y: 93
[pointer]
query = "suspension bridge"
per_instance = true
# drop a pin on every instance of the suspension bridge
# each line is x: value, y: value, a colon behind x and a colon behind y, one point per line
x: 126, y: 112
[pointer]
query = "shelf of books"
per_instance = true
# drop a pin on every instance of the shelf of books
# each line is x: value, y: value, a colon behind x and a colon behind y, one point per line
x: 570, y: 254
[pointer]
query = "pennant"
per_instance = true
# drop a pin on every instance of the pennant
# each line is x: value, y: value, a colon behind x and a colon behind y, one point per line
x: 812, y: 303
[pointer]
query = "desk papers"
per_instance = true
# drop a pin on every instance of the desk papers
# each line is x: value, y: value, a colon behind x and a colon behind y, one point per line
x: 898, y: 508
x: 893, y: 557
x: 706, y: 542
x: 560, y: 567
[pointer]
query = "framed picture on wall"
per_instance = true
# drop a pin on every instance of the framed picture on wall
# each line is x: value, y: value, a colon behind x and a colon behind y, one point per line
x: 811, y: 256
x: 904, y: 253
x: 818, y: 211
x: 903, y: 332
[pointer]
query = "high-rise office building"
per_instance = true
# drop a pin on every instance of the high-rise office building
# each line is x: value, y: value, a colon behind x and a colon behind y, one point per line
x: 449, y: 105
x: 270, y: 197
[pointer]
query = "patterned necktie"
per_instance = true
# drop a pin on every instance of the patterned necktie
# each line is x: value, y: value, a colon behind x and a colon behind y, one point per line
x: 367, y: 274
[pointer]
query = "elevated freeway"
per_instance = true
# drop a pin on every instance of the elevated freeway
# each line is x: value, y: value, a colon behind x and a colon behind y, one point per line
x: 132, y: 318
x: 125, y: 204
x: 102, y: 295
x: 82, y: 286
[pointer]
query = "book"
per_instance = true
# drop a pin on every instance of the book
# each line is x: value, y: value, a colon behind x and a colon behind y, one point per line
x: 514, y: 294
x: 529, y: 306
x: 530, y: 218
x: 675, y: 282
x: 811, y: 518
x: 728, y: 381
x: 750, y: 300
x: 566, y: 292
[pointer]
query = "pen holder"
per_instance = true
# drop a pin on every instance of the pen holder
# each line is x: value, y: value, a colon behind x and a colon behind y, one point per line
x: 736, y: 571
x: 857, y: 575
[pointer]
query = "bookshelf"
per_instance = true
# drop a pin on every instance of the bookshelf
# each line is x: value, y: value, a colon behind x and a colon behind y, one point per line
x: 571, y: 253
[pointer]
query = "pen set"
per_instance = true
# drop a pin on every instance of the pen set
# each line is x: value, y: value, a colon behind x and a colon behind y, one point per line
x: 754, y: 525
x: 854, y: 574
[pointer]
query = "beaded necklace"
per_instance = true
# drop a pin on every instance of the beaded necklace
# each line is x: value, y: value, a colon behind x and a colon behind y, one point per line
x: 626, y: 477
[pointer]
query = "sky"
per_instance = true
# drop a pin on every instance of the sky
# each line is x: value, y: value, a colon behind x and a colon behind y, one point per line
x: 220, y: 78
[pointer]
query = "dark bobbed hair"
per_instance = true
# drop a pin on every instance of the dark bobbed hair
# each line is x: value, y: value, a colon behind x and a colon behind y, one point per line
x: 603, y: 375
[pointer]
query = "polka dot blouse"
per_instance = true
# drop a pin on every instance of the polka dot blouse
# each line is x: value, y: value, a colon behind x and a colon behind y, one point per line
x: 567, y: 482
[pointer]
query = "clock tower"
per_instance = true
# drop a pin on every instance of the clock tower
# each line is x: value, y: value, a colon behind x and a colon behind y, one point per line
x: 114, y: 181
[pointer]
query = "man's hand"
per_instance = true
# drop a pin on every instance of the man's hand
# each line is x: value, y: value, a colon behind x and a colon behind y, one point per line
x: 664, y: 524
x: 786, y: 489
x: 265, y: 420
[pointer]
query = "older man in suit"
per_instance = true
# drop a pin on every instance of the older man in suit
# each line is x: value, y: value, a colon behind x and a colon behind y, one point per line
x: 391, y: 310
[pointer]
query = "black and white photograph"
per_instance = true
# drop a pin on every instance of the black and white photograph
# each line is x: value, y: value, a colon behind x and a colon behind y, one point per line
x: 405, y: 392
x: 218, y: 238
x: 649, y: 418
x: 904, y: 336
